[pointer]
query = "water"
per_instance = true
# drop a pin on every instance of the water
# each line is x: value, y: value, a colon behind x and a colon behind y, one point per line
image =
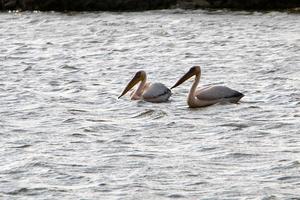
x: 65, y: 135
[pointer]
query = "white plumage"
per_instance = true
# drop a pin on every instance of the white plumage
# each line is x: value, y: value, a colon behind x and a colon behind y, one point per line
x: 157, y: 92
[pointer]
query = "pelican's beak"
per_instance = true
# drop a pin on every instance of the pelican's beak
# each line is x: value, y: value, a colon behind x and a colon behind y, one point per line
x: 185, y: 77
x: 130, y: 85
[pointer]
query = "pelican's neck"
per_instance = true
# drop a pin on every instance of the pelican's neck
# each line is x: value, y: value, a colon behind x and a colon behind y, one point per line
x: 192, y: 94
x: 139, y: 91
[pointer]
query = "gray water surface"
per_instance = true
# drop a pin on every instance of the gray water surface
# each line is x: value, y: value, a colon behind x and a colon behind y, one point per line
x: 65, y: 135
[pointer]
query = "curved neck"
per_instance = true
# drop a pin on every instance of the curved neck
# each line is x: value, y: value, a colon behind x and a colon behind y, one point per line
x: 139, y: 91
x: 192, y: 93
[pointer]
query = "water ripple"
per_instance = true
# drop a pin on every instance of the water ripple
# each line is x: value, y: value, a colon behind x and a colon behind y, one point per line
x: 65, y: 135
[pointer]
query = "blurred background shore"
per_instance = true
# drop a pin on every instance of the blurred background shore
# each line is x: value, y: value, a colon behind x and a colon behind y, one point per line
x: 135, y: 5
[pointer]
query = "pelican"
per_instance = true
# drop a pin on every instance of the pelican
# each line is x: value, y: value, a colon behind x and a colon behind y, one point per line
x: 207, y: 95
x: 155, y: 93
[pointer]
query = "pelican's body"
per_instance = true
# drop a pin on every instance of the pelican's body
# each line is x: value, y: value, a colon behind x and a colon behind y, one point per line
x: 208, y: 95
x: 155, y: 93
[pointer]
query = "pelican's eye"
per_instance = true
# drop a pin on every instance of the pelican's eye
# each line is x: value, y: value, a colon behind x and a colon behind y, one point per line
x: 138, y: 74
x: 192, y: 69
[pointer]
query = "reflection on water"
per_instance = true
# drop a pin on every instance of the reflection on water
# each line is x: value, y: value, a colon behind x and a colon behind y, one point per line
x: 65, y: 135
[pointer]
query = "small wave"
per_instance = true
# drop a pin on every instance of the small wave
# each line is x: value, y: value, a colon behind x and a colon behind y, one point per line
x: 54, y: 83
x: 141, y: 156
x: 241, y: 155
x: 197, y: 183
x: 89, y: 130
x: 27, y: 69
x: 154, y: 114
x: 78, y: 135
x: 27, y: 191
x: 19, y: 130
x: 284, y: 178
x: 97, y: 120
x: 176, y: 196
x: 272, y: 197
x: 68, y: 67
x: 18, y: 191
x: 69, y: 120
x: 236, y: 125
x: 23, y: 146
x: 75, y: 111
x: 208, y: 148
x: 290, y: 165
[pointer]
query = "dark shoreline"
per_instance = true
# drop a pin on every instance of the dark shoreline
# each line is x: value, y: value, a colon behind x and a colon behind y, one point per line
x: 139, y: 5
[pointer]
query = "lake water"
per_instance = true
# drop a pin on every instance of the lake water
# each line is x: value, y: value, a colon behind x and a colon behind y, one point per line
x: 65, y: 135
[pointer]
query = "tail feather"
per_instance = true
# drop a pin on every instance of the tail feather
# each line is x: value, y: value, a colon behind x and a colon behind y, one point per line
x: 235, y: 97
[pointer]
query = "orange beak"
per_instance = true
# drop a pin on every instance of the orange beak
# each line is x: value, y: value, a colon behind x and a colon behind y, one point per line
x: 130, y: 85
x: 185, y: 77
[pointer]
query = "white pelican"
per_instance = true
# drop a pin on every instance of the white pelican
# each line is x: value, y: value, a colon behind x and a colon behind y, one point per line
x: 208, y: 95
x: 155, y: 93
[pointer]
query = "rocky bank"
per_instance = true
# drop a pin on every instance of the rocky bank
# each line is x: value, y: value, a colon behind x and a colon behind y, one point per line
x: 133, y: 5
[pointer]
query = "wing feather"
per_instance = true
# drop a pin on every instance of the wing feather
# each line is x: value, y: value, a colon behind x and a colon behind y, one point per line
x: 157, y: 92
x: 217, y: 92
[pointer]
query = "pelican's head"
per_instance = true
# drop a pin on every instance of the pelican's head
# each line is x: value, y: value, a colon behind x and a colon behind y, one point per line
x: 196, y: 70
x: 139, y: 76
